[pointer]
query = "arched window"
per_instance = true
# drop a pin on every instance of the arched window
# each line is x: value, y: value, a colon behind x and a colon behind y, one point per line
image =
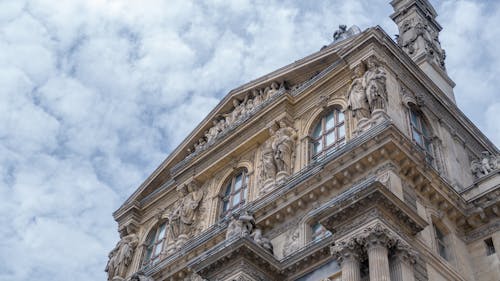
x: 155, y: 244
x: 235, y: 191
x: 328, y: 133
x: 421, y: 134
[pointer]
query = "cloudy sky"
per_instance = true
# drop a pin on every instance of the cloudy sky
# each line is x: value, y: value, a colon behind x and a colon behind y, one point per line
x: 94, y: 94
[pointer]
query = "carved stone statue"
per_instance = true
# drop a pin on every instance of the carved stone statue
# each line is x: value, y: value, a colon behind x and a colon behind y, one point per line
x: 343, y: 33
x: 121, y: 256
x: 268, y: 164
x: 487, y: 164
x: 292, y: 242
x: 261, y: 240
x: 357, y: 99
x: 340, y: 33
x: 270, y: 91
x: 244, y: 226
x: 240, y: 225
x: 376, y: 89
x: 257, y: 97
x: 183, y: 215
x: 283, y: 145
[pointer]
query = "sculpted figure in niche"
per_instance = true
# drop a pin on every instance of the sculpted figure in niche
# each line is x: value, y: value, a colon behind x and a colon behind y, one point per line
x: 182, y: 218
x: 283, y: 147
x: 375, y: 79
x: 292, y: 242
x: 268, y: 164
x: 121, y: 256
x: 357, y: 99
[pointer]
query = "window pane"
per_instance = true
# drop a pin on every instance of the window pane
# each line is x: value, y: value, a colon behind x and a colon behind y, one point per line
x: 341, y: 131
x: 424, y: 130
x: 330, y: 120
x: 414, y: 118
x: 236, y: 199
x: 317, y: 148
x: 417, y: 137
x: 161, y: 233
x: 228, y: 190
x: 330, y: 138
x: 238, y: 182
x: 149, y: 250
x: 225, y: 206
x: 341, y: 116
x: 158, y: 249
x: 317, y: 131
x: 244, y: 193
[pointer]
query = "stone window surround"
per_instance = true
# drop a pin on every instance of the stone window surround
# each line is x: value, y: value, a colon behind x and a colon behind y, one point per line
x: 229, y: 184
x: 339, y: 139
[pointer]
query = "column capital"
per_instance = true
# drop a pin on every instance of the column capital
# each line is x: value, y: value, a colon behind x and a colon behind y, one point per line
x: 346, y: 250
x: 376, y: 236
x: 405, y: 253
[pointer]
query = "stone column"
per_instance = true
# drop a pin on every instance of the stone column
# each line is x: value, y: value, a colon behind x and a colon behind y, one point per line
x: 377, y: 241
x: 347, y: 254
x: 402, y: 263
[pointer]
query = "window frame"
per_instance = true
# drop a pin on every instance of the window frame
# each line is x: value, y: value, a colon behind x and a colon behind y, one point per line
x: 421, y: 133
x: 153, y: 241
x: 230, y: 190
x: 441, y: 243
x: 339, y: 124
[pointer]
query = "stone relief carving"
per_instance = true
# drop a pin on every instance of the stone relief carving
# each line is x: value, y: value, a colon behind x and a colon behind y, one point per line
x: 243, y: 225
x: 485, y: 165
x: 241, y: 109
x: 182, y: 218
x: 121, y: 256
x: 277, y: 155
x: 414, y: 29
x: 367, y: 95
x: 292, y: 242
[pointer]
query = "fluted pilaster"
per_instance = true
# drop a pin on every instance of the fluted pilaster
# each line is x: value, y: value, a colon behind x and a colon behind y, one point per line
x: 347, y: 254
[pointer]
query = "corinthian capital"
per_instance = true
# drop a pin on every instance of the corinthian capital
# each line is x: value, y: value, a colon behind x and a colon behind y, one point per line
x: 346, y: 250
x: 376, y: 235
x: 405, y: 253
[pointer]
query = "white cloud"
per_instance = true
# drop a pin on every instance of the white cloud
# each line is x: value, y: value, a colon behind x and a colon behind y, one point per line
x: 96, y: 93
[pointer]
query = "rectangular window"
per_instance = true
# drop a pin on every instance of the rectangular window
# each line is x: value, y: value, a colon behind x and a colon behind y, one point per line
x: 490, y: 247
x: 441, y: 243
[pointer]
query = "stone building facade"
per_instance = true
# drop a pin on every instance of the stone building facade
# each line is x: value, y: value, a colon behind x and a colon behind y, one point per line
x: 353, y: 163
